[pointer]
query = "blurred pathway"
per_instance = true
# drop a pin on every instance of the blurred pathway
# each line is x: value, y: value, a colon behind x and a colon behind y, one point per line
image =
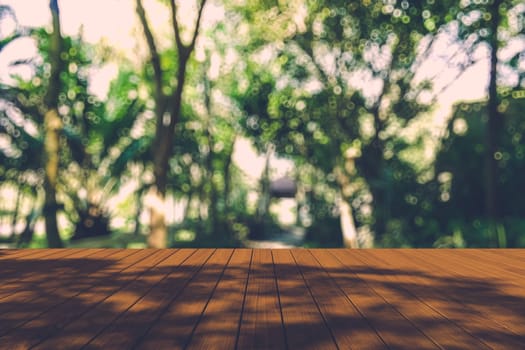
x: 290, y: 237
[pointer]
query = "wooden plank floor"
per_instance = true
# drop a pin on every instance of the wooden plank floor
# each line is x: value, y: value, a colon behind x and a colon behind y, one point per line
x: 262, y: 299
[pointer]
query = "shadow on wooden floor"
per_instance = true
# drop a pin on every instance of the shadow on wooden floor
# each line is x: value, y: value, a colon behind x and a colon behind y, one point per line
x: 208, y: 298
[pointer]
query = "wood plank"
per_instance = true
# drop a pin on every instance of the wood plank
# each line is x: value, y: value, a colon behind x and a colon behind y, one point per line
x: 30, y: 277
x: 134, y: 324
x: 304, y: 325
x: 508, y: 282
x: 513, y: 251
x: 356, y: 298
x: 103, y: 314
x: 14, y: 269
x: 6, y: 254
x: 516, y: 255
x: 204, y: 298
x: 93, y: 290
x: 24, y: 253
x: 174, y: 328
x: 7, y: 251
x: 484, y: 263
x: 32, y: 299
x: 448, y: 295
x: 285, y: 265
x: 390, y: 285
x: 261, y: 323
x: 33, y: 296
x: 220, y: 322
x: 481, y: 285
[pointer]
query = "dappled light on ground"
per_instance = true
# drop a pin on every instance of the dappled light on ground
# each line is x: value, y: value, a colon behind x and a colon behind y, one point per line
x: 243, y: 298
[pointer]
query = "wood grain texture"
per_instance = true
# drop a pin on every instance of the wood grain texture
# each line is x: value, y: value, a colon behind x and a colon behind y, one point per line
x: 174, y: 328
x: 261, y: 322
x: 395, y: 289
x: 304, y: 324
x: 262, y: 299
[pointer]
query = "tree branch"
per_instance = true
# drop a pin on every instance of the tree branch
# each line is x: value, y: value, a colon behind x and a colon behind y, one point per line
x: 55, y: 59
x: 155, y: 58
x: 175, y: 23
x: 185, y: 49
x: 197, y: 25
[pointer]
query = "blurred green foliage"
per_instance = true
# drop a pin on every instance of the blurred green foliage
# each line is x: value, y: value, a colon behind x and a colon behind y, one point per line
x: 334, y: 86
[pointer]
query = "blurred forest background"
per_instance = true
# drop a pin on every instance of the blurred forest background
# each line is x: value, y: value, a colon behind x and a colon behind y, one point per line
x: 185, y: 143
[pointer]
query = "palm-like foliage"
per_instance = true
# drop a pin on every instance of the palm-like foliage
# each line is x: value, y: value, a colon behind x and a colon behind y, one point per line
x: 17, y: 166
x: 96, y: 133
x: 100, y: 153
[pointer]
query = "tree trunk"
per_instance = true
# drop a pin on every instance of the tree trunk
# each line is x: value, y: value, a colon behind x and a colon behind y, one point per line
x: 345, y: 175
x: 348, y: 225
x: 53, y: 125
x: 380, y: 212
x: 138, y: 210
x: 165, y: 120
x: 165, y: 129
x: 14, y: 220
x: 158, y: 234
x: 52, y: 129
x: 213, y: 205
x: 264, y: 200
x: 213, y: 211
x: 187, y: 207
x: 371, y: 165
x: 27, y: 233
x: 494, y: 121
x: 158, y: 229
x: 227, y: 177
